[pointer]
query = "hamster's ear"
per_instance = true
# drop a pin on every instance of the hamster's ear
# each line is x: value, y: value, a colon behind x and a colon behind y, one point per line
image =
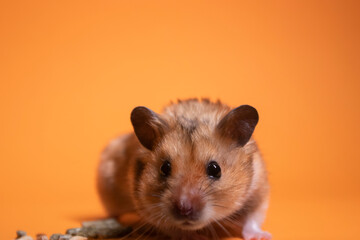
x: 148, y: 126
x: 239, y: 124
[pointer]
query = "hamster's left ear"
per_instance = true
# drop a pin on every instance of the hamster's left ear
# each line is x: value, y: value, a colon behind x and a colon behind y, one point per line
x: 239, y: 124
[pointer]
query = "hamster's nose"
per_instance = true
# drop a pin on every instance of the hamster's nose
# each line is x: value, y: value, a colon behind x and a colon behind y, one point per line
x: 183, y: 208
x: 188, y: 208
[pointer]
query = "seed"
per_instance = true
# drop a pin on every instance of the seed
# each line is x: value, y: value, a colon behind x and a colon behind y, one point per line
x: 88, y: 232
x: 78, y: 238
x: 55, y: 236
x: 65, y: 237
x: 20, y: 234
x: 110, y: 223
x: 113, y: 232
x: 73, y: 231
x: 25, y: 238
x: 41, y: 236
x: 106, y: 228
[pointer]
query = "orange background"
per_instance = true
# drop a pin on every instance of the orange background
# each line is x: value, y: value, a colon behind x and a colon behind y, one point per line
x: 71, y: 72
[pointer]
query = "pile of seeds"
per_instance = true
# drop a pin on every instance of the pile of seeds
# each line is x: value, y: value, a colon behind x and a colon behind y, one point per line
x: 103, y: 229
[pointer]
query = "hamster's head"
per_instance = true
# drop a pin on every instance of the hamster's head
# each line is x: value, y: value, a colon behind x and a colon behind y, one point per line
x: 192, y: 171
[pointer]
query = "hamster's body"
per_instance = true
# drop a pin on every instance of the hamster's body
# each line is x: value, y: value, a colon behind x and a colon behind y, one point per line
x: 188, y: 171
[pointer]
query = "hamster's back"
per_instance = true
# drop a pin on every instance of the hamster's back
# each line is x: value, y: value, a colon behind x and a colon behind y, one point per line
x: 113, y: 182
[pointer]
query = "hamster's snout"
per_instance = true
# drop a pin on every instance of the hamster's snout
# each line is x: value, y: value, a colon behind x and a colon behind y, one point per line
x: 187, y: 206
x: 183, y: 209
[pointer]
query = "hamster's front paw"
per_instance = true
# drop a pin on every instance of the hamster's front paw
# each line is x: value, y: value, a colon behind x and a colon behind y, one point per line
x: 256, y: 235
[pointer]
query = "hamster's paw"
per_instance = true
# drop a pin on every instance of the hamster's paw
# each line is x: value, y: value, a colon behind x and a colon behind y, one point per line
x: 256, y: 235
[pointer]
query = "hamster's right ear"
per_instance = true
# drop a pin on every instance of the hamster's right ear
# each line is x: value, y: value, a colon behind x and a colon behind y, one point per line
x: 148, y: 126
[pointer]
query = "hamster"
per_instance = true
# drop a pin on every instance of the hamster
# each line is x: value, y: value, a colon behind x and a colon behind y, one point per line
x: 192, y: 172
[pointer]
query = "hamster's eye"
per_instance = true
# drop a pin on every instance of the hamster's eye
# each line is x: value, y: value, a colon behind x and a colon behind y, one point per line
x: 166, y: 168
x: 213, y: 170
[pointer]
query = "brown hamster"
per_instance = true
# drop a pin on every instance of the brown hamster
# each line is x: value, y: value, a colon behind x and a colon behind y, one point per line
x: 193, y: 172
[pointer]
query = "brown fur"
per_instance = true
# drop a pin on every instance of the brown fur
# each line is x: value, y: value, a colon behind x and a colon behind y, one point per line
x: 134, y: 182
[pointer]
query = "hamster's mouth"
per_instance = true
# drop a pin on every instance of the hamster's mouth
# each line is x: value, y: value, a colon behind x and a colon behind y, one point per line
x: 189, y: 225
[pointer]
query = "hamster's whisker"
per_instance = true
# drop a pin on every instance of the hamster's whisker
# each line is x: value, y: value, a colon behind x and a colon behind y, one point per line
x: 220, y: 206
x: 150, y: 231
x: 134, y: 231
x: 142, y: 234
x: 148, y: 206
x: 202, y: 184
x: 144, y: 222
x: 161, y: 218
x: 170, y: 190
x: 145, y: 228
x: 222, y: 227
x: 214, y: 191
x: 155, y: 195
x: 212, y: 231
x: 234, y: 224
x: 207, y: 187
x: 156, y: 219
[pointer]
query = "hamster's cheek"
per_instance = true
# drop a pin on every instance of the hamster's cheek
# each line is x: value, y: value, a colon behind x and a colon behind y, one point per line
x: 223, y: 202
